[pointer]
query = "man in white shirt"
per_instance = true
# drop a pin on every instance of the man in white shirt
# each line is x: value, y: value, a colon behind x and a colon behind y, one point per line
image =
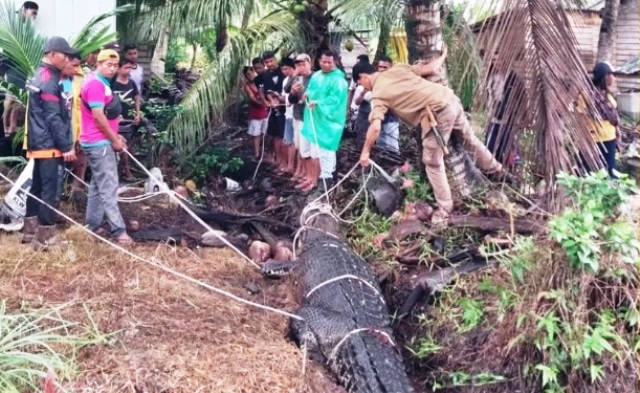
x: 137, y: 74
x: 287, y: 65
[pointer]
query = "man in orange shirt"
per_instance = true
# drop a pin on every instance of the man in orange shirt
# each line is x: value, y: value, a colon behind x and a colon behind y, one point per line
x: 49, y: 143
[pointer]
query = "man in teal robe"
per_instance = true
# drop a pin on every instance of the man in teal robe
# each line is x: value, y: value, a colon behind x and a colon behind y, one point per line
x: 325, y: 115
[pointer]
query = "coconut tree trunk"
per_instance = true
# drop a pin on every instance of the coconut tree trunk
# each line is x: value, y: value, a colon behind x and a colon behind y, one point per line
x: 160, y: 53
x: 608, y: 28
x: 222, y: 36
x: 383, y: 40
x: 424, y: 33
x: 315, y: 20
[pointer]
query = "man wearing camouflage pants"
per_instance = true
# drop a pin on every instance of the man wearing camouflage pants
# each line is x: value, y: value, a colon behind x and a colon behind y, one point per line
x: 418, y: 101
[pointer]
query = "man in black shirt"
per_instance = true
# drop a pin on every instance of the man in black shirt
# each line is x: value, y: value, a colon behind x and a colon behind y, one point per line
x: 133, y: 120
x: 258, y: 67
x: 273, y: 79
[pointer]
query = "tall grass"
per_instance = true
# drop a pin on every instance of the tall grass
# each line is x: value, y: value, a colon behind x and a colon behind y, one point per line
x: 33, y: 343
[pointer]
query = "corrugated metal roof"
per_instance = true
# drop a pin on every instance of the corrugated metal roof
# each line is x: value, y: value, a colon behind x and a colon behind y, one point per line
x: 630, y: 67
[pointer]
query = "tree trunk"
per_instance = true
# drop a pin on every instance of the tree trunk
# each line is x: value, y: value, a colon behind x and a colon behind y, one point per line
x: 222, y: 36
x: 383, y: 40
x: 246, y: 15
x: 315, y: 21
x: 160, y: 53
x: 194, y: 45
x: 606, y: 41
x: 424, y: 33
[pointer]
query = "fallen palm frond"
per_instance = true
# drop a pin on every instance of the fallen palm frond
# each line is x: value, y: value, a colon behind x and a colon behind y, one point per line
x: 205, y: 102
x: 532, y: 51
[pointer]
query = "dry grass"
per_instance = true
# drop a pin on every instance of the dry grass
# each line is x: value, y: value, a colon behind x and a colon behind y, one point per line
x: 168, y: 335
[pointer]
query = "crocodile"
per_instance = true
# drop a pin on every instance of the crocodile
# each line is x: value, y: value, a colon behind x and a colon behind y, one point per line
x: 345, y: 322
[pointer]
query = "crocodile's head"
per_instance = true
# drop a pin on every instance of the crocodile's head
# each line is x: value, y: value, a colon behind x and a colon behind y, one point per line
x: 276, y: 269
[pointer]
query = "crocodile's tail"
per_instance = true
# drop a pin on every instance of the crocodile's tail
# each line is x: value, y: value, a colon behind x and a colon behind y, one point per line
x: 369, y: 362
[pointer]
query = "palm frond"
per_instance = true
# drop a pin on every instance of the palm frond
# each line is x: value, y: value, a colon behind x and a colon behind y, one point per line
x: 205, y: 101
x: 19, y: 41
x: 463, y: 62
x: 180, y: 16
x: 531, y: 45
x: 94, y: 36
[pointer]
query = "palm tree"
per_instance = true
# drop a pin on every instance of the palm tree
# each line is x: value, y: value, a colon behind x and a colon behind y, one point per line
x: 534, y: 38
x: 608, y: 30
x: 286, y: 24
x: 23, y: 45
x: 424, y: 33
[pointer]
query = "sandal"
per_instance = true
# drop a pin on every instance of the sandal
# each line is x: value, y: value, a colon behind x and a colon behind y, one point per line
x: 123, y: 239
x: 310, y: 187
x: 302, y: 184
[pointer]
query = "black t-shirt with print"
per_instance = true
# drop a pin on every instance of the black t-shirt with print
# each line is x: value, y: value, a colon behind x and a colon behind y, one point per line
x: 273, y: 81
x: 127, y: 92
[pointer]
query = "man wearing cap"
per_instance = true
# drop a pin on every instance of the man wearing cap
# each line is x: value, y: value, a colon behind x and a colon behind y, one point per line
x: 99, y: 139
x: 295, y: 88
x: 418, y: 101
x: 49, y: 143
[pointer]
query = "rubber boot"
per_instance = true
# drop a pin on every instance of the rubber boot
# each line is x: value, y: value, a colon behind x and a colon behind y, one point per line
x: 47, y: 238
x: 29, y: 229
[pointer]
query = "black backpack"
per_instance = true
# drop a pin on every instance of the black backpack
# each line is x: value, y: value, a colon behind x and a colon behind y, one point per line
x: 112, y: 111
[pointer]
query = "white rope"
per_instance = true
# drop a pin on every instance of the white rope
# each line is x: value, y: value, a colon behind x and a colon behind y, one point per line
x: 159, y: 266
x: 337, y: 184
x: 334, y: 351
x: 192, y: 214
x: 264, y: 137
x: 344, y: 277
x: 134, y: 199
x: 315, y: 135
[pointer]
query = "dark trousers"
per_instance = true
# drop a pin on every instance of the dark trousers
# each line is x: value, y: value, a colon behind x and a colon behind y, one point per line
x: 45, y: 185
x: 608, y: 154
x: 608, y: 151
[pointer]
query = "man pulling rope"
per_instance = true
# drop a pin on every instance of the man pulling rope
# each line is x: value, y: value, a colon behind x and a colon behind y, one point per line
x: 437, y: 110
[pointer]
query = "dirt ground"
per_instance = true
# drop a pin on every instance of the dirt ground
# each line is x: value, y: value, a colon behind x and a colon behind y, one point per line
x: 167, y: 335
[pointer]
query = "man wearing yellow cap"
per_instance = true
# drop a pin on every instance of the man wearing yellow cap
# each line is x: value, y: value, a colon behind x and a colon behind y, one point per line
x: 99, y: 139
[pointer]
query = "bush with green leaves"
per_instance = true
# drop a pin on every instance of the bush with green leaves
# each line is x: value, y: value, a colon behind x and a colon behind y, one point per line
x: 214, y: 160
x: 176, y: 54
x: 589, y: 227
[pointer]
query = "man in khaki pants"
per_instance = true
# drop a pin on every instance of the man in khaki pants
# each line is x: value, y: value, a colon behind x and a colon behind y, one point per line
x: 418, y: 101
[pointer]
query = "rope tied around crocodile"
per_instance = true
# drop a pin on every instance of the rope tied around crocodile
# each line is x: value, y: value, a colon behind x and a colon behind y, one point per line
x: 344, y: 277
x: 336, y: 348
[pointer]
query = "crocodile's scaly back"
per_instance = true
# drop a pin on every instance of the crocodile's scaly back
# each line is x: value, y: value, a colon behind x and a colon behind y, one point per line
x: 346, y: 318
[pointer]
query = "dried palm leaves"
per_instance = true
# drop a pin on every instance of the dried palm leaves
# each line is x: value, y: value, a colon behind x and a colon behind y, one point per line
x: 531, y: 57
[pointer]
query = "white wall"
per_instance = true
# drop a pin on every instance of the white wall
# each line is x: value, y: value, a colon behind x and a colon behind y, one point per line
x: 66, y: 18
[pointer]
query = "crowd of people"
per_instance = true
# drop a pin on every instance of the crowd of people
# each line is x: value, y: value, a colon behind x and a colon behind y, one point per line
x: 83, y: 112
x: 80, y: 113
x: 301, y: 115
x: 297, y: 116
